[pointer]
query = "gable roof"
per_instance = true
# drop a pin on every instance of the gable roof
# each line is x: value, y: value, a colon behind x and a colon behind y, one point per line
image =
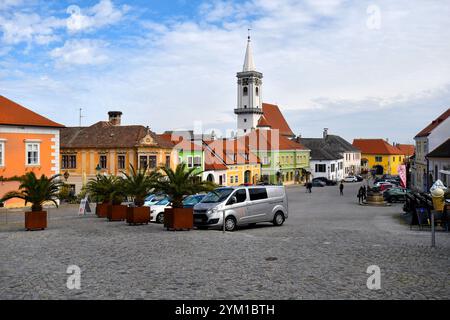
x: 375, y: 146
x: 442, y: 151
x: 320, y: 150
x: 231, y: 151
x: 339, y: 144
x: 406, y: 149
x: 269, y: 140
x: 12, y: 113
x: 436, y: 122
x: 103, y: 134
x: 273, y: 117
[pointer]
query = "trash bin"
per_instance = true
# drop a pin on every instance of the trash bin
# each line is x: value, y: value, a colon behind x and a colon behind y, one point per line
x: 438, y: 199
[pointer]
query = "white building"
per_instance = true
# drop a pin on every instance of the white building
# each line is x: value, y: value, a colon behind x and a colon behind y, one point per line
x: 439, y: 163
x: 428, y: 139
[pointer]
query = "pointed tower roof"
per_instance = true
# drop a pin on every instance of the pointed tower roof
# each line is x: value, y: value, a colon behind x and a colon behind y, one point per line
x: 249, y: 64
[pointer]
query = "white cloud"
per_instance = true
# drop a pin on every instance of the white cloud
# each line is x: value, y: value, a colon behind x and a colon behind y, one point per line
x: 80, y: 52
x: 9, y: 3
x: 102, y: 14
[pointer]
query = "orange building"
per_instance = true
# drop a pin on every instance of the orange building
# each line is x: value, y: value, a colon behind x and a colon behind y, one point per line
x: 28, y: 142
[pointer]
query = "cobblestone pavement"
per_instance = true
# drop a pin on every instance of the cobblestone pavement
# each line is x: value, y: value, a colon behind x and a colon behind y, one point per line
x: 322, y: 252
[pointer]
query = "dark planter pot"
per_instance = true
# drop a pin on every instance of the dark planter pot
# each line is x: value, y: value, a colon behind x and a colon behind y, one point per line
x: 35, y: 220
x: 138, y: 215
x: 179, y: 218
x: 117, y: 212
x: 101, y: 210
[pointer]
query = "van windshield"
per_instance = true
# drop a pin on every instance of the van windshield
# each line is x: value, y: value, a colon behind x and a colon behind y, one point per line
x: 217, y: 195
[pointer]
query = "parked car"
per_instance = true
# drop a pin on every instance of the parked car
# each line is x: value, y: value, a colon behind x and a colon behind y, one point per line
x: 385, y: 186
x: 350, y: 179
x: 395, y: 194
x: 153, y: 199
x: 318, y: 183
x: 241, y: 206
x: 359, y: 177
x: 191, y: 201
x: 327, y: 181
x: 157, y: 210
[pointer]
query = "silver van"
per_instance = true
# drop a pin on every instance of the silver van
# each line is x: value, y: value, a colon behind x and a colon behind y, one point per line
x: 242, y: 206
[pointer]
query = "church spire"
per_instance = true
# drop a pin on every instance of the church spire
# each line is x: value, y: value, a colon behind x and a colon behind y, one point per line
x: 249, y: 64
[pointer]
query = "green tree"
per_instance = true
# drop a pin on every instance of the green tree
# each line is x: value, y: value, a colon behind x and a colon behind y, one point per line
x: 139, y: 183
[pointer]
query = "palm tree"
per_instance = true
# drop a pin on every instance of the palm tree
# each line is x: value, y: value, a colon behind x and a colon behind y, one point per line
x: 36, y: 191
x: 107, y: 189
x: 181, y: 182
x: 139, y: 183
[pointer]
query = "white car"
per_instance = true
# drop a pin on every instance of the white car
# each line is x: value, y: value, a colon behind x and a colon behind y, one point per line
x: 157, y: 210
x: 351, y: 179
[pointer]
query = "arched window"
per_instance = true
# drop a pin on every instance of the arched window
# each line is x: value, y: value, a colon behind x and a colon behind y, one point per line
x: 245, y: 92
x: 257, y: 91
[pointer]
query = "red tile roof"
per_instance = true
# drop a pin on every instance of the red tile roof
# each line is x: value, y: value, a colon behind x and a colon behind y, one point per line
x: 269, y: 140
x: 12, y: 113
x: 427, y: 130
x: 231, y: 151
x: 273, y: 117
x: 406, y: 149
x: 375, y: 146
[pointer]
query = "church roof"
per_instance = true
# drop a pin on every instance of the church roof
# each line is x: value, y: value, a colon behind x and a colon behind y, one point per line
x: 273, y: 118
x: 269, y: 140
x: 249, y: 64
x: 231, y: 151
x: 12, y: 113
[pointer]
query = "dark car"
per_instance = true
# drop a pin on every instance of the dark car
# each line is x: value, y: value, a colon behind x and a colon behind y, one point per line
x: 318, y: 183
x: 395, y: 194
x: 359, y: 177
x: 327, y: 181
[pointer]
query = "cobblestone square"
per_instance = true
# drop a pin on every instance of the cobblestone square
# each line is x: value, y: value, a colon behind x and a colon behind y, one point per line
x: 321, y: 252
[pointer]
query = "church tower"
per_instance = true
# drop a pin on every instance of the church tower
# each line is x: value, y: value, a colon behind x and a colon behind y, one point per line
x: 249, y: 95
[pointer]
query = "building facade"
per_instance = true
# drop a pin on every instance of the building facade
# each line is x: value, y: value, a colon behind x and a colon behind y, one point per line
x: 109, y: 148
x: 429, y: 138
x: 439, y: 163
x: 29, y: 142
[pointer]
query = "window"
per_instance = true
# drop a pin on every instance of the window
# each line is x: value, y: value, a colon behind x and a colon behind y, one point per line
x: 378, y: 159
x: 197, y: 161
x: 236, y: 179
x: 333, y: 167
x: 143, y: 162
x: 152, y: 161
x: 257, y: 193
x: 103, y: 162
x: 190, y: 162
x: 231, y: 179
x: 121, y: 161
x: 245, y: 91
x: 32, y: 153
x: 266, y: 160
x: 167, y: 160
x: 257, y: 91
x: 69, y: 161
x: 394, y: 159
x: 2, y: 154
x: 241, y: 195
x: 320, y: 167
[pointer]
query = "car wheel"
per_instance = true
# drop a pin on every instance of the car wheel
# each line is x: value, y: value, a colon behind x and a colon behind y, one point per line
x: 230, y: 224
x: 278, y: 219
x: 160, y: 218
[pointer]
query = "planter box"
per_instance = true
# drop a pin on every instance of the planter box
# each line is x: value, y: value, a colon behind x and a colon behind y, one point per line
x: 138, y: 215
x: 101, y: 210
x: 179, y: 218
x: 117, y: 212
x: 36, y: 220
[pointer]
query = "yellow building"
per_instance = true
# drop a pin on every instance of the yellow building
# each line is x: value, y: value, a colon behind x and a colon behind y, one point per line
x: 243, y: 166
x: 107, y: 147
x: 379, y: 155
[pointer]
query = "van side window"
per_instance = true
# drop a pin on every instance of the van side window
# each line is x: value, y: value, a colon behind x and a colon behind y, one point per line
x: 241, y: 195
x: 257, y: 193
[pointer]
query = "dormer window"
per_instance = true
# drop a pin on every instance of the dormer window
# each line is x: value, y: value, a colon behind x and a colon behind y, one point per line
x: 245, y: 91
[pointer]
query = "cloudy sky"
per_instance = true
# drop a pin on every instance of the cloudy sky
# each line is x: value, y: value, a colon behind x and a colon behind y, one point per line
x: 360, y: 68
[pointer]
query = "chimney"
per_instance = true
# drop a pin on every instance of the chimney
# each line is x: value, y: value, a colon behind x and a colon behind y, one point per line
x: 114, y: 117
x: 325, y: 132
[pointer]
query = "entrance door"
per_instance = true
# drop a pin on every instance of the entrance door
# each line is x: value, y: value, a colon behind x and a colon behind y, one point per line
x: 247, y: 176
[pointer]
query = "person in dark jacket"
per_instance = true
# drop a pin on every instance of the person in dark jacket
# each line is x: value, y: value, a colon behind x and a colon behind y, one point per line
x: 360, y: 195
x: 341, y: 189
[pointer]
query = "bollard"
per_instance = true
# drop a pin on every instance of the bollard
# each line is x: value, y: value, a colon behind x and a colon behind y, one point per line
x: 223, y: 221
x: 433, y: 238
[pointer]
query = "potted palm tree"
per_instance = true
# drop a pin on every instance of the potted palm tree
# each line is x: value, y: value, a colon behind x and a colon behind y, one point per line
x: 177, y: 184
x: 37, y: 192
x: 101, y: 189
x: 116, y: 211
x: 137, y: 185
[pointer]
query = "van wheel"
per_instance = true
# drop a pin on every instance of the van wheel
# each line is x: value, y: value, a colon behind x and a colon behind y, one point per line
x: 230, y: 224
x: 278, y: 219
x: 160, y: 218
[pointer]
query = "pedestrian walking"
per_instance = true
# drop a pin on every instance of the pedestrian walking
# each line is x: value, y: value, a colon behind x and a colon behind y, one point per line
x: 364, y: 193
x: 341, y: 189
x: 360, y: 195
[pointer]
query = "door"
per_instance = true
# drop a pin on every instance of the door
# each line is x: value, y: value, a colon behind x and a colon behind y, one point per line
x: 258, y: 209
x: 239, y: 208
x: 247, y: 176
